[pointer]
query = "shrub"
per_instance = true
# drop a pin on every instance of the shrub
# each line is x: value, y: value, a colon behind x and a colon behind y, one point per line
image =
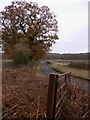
x: 20, y: 58
x: 21, y: 55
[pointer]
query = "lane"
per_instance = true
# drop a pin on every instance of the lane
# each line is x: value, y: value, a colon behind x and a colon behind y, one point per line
x: 81, y: 82
x: 45, y: 69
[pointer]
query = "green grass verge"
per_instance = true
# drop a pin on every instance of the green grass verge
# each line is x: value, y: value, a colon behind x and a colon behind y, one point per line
x: 75, y: 72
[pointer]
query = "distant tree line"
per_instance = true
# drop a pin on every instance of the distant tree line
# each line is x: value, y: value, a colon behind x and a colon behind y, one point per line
x: 78, y: 56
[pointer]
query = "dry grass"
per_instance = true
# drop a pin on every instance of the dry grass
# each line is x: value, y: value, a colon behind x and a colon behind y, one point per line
x: 25, y: 93
x: 74, y: 103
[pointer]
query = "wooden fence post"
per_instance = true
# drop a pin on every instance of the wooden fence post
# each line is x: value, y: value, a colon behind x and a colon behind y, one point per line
x: 55, y: 96
x: 51, y: 96
x: 65, y: 77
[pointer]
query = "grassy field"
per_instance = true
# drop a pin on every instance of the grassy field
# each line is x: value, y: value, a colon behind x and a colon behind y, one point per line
x: 75, y: 72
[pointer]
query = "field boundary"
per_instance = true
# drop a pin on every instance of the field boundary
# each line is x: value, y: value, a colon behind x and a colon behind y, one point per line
x: 52, y: 108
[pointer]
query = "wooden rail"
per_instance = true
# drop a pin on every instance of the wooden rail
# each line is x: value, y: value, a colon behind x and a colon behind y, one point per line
x: 53, y: 106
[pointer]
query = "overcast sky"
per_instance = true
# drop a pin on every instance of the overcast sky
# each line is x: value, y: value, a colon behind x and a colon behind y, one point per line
x: 72, y: 16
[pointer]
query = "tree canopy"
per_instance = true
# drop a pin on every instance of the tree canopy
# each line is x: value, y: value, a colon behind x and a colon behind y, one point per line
x: 29, y: 25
